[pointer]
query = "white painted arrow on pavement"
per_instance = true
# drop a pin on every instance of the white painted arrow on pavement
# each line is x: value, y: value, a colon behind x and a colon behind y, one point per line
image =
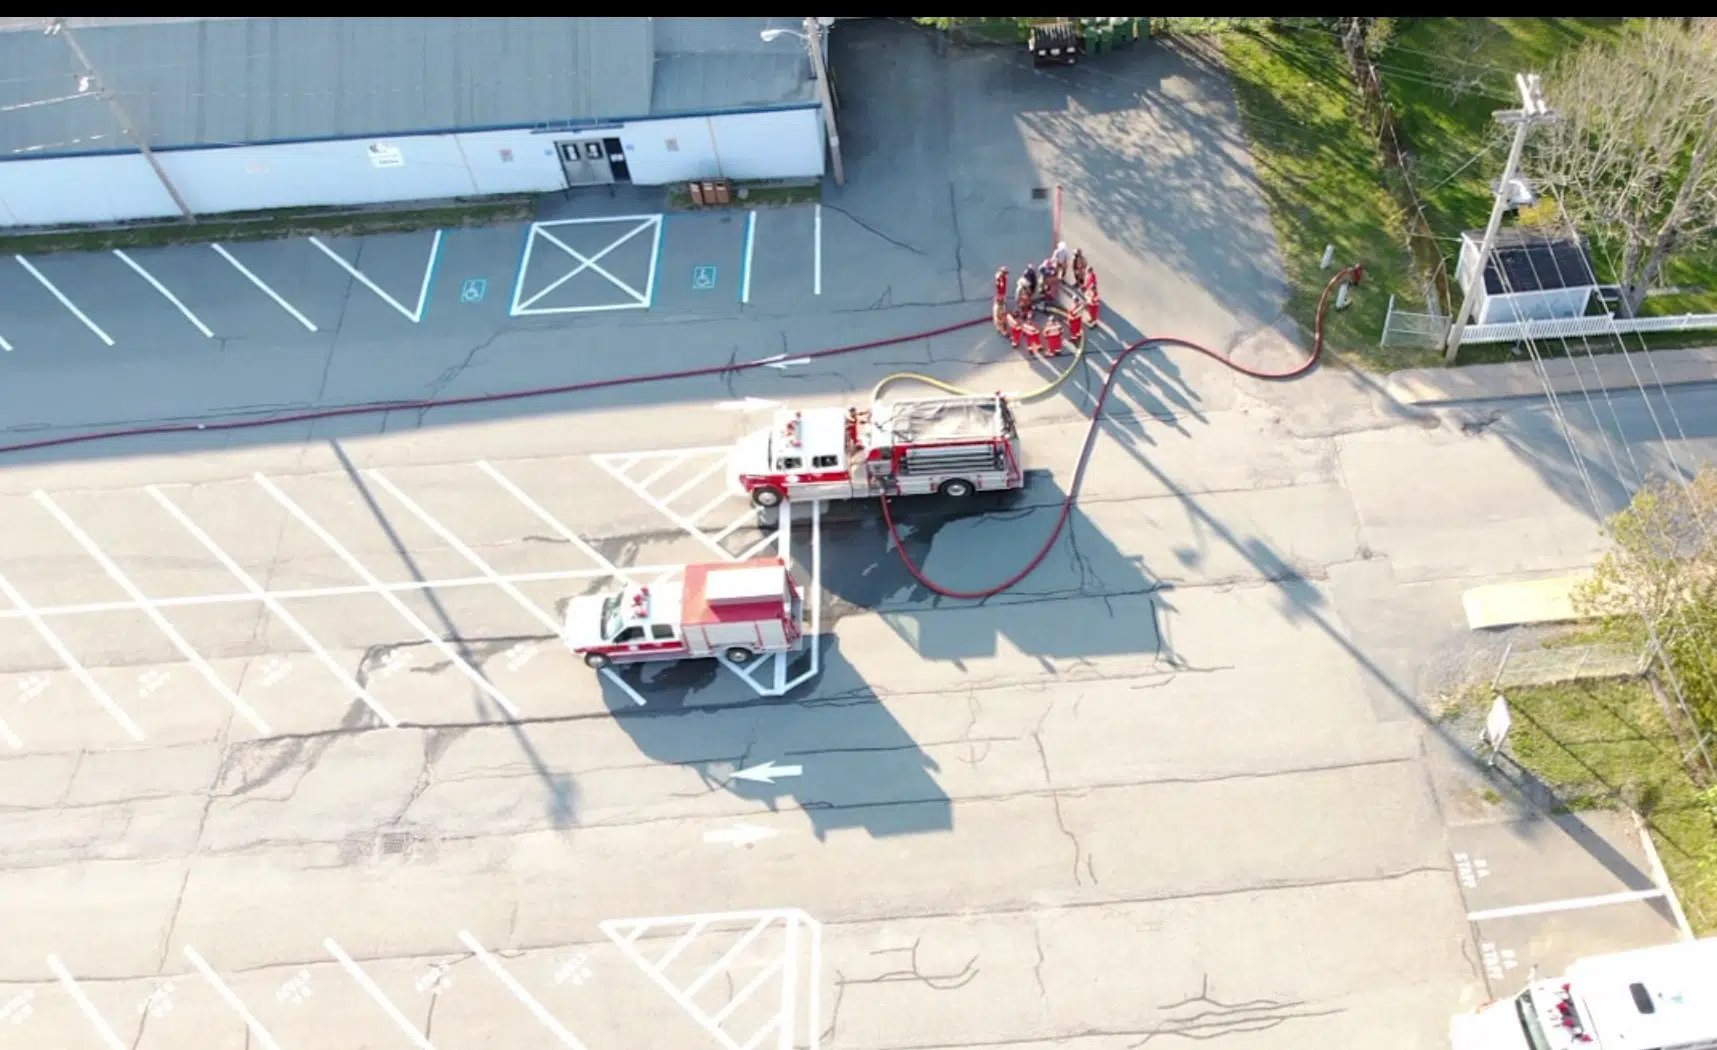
x: 783, y: 361
x: 767, y: 772
x: 740, y: 834
x: 750, y: 404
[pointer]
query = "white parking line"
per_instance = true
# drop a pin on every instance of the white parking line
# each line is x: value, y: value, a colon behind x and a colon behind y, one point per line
x: 550, y: 520
x: 266, y: 290
x: 4, y: 345
x: 10, y: 737
x: 350, y: 590
x: 231, y: 999
x: 272, y: 604
x: 816, y: 600
x: 1569, y: 904
x: 67, y: 981
x: 526, y: 998
x: 126, y: 584
x: 702, y: 476
x: 641, y: 300
x: 67, y: 303
x: 414, y: 316
x: 750, y: 247
x: 662, y: 471
x: 609, y: 673
x: 749, y: 517
x: 756, y: 549
x: 817, y: 251
x: 429, y: 633
x: 417, y: 1038
x: 169, y: 296
x: 78, y: 670
x: 702, y: 512
x: 662, y: 508
x: 459, y: 546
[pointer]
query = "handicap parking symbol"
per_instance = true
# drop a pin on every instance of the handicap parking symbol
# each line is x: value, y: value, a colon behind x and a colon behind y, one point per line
x: 703, y: 278
x: 472, y: 290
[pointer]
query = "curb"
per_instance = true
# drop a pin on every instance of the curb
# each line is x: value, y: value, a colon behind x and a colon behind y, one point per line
x: 1565, y: 375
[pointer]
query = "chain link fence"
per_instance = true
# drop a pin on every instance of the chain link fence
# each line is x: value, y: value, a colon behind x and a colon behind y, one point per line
x: 1522, y: 667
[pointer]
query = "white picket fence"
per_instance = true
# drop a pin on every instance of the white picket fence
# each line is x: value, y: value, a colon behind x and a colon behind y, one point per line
x: 1574, y: 327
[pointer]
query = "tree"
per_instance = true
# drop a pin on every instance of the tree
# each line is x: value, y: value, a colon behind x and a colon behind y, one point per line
x: 1630, y: 154
x: 1662, y: 570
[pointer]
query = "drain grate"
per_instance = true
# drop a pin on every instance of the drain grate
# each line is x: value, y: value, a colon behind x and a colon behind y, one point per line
x: 1040, y: 193
x: 395, y: 843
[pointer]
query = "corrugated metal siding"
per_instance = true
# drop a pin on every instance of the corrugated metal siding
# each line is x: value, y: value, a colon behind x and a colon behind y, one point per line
x: 268, y: 79
x: 691, y: 82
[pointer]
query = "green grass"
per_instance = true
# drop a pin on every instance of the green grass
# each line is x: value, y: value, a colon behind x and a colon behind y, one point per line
x: 752, y: 195
x: 1325, y: 184
x: 1606, y: 743
x: 290, y: 222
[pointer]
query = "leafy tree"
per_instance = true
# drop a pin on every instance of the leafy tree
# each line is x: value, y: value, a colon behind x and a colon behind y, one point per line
x: 1662, y: 569
x: 1630, y: 154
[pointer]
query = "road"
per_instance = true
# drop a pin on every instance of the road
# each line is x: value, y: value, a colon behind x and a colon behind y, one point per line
x: 291, y: 758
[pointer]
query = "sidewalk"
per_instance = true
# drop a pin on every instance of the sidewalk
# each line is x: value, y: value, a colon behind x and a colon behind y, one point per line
x: 1427, y: 386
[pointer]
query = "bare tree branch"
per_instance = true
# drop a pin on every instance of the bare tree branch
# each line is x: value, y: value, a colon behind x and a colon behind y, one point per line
x: 1632, y: 154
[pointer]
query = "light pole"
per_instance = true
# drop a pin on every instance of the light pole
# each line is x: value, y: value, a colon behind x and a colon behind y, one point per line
x: 813, y: 38
x: 92, y: 79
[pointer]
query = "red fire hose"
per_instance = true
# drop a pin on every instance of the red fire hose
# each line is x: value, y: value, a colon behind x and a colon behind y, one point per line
x: 1357, y: 273
x: 372, y: 407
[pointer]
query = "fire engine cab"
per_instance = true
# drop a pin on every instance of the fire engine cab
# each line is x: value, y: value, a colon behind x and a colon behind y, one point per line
x: 733, y: 609
x: 949, y: 445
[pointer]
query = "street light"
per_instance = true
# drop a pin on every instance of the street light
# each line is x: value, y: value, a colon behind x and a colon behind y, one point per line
x: 813, y: 38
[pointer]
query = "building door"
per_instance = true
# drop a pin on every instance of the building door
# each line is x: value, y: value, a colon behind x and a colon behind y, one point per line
x: 585, y: 162
x: 617, y: 160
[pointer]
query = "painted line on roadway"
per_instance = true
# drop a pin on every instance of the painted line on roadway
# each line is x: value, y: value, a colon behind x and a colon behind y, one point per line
x: 640, y: 300
x: 169, y: 296
x: 817, y: 252
x: 816, y: 602
x: 231, y: 999
x: 464, y: 551
x: 543, y: 515
x: 10, y: 737
x: 655, y: 263
x: 165, y: 626
x: 369, y: 986
x: 65, y: 302
x: 272, y: 604
x: 266, y: 290
x: 348, y: 591
x: 69, y: 983
x: 1569, y: 904
x: 668, y: 512
x: 702, y: 476
x: 529, y: 1001
x: 430, y: 635
x: 78, y: 670
x: 661, y: 472
x: 414, y: 316
x: 703, y: 512
x: 4, y: 345
x: 608, y: 673
x: 750, y: 246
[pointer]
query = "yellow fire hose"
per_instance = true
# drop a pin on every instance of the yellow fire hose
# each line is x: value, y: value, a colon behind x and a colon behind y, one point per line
x: 949, y: 388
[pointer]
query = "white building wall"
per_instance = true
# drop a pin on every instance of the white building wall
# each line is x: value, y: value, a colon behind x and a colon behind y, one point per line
x: 1553, y: 304
x: 60, y: 191
x: 776, y: 144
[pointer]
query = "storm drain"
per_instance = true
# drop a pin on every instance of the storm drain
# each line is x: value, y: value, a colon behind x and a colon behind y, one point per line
x: 390, y: 846
x: 1040, y: 193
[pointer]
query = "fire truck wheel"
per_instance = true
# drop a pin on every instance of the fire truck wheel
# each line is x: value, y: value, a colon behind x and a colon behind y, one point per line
x: 766, y: 496
x: 956, y: 488
x: 596, y: 661
x: 739, y: 654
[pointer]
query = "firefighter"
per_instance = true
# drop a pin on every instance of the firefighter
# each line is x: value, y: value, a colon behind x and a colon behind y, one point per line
x: 999, y: 314
x: 1052, y: 333
x: 1001, y: 284
x: 1016, y: 330
x: 1033, y: 337
x: 1093, y: 307
x: 1079, y: 268
x: 1089, y: 284
x: 1030, y: 277
x: 1023, y: 293
x: 1076, y: 321
x: 852, y: 429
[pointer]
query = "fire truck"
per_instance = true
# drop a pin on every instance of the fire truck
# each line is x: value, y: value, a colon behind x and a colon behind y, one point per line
x: 734, y: 609
x: 949, y: 445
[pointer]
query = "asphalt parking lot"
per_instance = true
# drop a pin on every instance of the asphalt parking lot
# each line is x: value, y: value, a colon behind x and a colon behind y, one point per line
x: 290, y: 755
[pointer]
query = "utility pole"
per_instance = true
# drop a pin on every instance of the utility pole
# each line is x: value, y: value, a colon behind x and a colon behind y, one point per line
x: 814, y: 41
x: 1532, y: 111
x: 92, y: 79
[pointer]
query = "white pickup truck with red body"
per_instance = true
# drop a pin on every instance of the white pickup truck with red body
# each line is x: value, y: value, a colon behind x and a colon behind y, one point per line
x: 949, y: 445
x: 738, y: 610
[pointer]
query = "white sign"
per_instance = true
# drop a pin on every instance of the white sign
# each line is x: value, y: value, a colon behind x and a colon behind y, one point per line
x: 383, y: 155
x: 1497, y: 723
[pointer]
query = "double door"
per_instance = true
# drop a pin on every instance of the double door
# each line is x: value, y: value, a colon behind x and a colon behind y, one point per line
x: 593, y: 161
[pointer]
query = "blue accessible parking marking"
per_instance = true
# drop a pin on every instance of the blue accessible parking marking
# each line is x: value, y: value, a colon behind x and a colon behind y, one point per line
x: 473, y: 289
x: 703, y: 278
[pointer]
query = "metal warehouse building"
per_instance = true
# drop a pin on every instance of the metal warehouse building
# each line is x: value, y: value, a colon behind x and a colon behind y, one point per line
x: 249, y: 114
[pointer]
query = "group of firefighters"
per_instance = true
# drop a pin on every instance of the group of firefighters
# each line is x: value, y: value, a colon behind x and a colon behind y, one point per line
x: 1038, y: 294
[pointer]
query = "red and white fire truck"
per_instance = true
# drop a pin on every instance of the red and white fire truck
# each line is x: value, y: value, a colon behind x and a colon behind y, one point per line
x: 949, y: 445
x: 734, y: 609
